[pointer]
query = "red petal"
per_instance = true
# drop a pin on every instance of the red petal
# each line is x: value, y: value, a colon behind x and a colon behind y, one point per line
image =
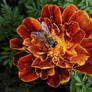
x: 38, y: 71
x: 28, y: 75
x: 75, y: 32
x: 17, y: 56
x: 68, y: 12
x: 37, y: 50
x: 82, y: 56
x: 15, y: 43
x: 57, y: 14
x: 45, y: 12
x: 87, y: 43
x: 61, y: 75
x: 37, y: 63
x: 48, y: 72
x: 61, y: 9
x: 47, y: 21
x: 87, y: 68
x: 25, y: 62
x: 52, y: 12
x: 23, y: 31
x: 32, y: 24
x: 44, y: 74
x: 84, y: 21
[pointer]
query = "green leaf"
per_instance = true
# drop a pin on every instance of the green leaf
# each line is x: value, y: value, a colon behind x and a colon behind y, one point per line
x: 89, y: 89
x: 72, y: 86
x: 84, y: 89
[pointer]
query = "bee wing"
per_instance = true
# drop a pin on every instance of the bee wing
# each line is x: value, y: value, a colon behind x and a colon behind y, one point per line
x: 38, y: 35
x: 45, y: 27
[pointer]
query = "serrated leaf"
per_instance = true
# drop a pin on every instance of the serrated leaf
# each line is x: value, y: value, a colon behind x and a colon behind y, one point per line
x: 89, y: 89
x: 77, y: 78
x: 72, y: 86
x: 84, y: 89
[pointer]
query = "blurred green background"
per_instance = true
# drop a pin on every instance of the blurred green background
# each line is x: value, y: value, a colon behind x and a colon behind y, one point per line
x: 12, y: 12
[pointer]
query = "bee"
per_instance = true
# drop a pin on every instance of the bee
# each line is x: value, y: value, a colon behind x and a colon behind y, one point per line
x: 45, y: 36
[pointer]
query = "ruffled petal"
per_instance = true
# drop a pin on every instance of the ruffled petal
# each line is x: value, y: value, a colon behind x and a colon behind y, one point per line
x: 23, y: 31
x: 27, y: 42
x: 64, y: 64
x: 45, y: 11
x: 38, y: 51
x: 61, y: 9
x: 28, y: 75
x: 82, y: 56
x: 25, y: 62
x: 32, y: 24
x: 17, y: 56
x: 68, y: 12
x: 47, y: 21
x: 26, y: 72
x: 84, y: 21
x: 87, y: 68
x: 75, y: 32
x: 37, y: 63
x: 87, y: 43
x: 61, y: 75
x: 44, y: 73
x: 15, y: 43
x: 52, y: 12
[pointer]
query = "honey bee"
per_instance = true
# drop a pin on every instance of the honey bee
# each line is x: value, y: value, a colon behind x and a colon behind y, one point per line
x: 45, y: 36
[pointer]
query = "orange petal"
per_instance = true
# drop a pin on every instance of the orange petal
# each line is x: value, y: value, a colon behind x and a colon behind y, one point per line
x: 82, y: 56
x: 15, y: 43
x: 17, y: 56
x: 37, y: 63
x: 84, y: 21
x: 32, y: 24
x: 28, y: 75
x: 68, y: 12
x: 52, y: 12
x: 23, y: 31
x: 87, y: 68
x: 36, y: 52
x: 25, y: 62
x: 27, y: 41
x: 61, y: 75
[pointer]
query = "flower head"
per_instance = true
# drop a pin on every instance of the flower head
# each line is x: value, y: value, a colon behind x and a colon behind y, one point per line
x: 55, y: 43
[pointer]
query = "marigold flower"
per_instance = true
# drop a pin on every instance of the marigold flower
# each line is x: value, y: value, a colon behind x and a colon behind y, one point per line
x: 54, y: 44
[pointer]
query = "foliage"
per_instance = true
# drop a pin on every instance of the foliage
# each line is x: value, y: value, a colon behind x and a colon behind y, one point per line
x: 80, y: 82
x: 11, y: 16
x: 9, y: 20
